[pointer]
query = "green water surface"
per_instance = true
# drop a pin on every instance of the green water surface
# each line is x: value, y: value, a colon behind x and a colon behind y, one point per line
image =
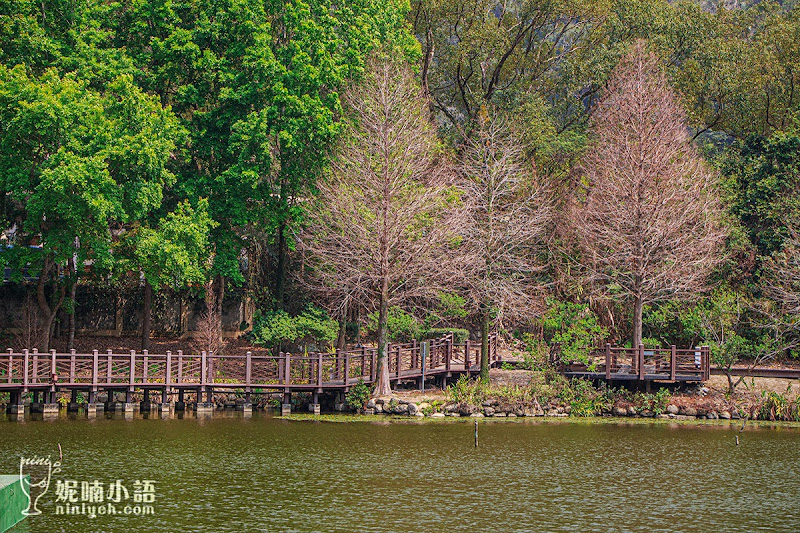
x: 267, y: 474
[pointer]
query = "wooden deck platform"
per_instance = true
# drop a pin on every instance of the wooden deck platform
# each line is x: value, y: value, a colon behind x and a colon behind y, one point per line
x: 612, y: 363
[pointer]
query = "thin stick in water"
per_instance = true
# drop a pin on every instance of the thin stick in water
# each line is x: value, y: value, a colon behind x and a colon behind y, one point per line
x: 476, y: 433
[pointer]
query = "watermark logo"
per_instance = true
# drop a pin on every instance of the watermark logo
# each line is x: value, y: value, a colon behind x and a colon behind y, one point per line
x: 37, y: 467
x: 94, y: 498
x: 88, y: 498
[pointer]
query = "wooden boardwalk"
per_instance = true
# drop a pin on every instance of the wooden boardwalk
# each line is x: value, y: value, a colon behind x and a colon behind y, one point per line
x: 204, y: 373
x: 612, y: 363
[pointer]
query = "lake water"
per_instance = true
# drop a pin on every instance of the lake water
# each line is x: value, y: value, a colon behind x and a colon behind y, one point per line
x: 230, y: 473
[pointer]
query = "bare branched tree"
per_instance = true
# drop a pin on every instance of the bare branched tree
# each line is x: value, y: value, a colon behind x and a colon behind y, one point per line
x: 375, y: 238
x: 503, y: 225
x: 208, y: 335
x: 650, y: 227
x: 29, y: 325
x: 780, y: 311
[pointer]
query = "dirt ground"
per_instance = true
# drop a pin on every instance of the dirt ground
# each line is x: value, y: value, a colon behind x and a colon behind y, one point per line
x: 719, y: 384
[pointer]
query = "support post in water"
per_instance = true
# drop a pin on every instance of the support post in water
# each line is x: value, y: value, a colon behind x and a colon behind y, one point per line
x: 476, y: 433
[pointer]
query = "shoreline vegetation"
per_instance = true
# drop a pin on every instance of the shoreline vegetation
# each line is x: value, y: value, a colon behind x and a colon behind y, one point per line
x: 545, y: 393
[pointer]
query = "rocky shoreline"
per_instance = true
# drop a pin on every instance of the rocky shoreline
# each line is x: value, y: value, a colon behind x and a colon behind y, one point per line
x: 400, y: 407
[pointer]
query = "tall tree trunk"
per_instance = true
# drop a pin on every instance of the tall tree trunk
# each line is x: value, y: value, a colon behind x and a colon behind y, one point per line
x: 73, y: 276
x: 219, y: 297
x: 637, y: 322
x: 48, y: 312
x: 280, y: 272
x: 341, y: 341
x: 485, y: 318
x: 382, y: 387
x: 147, y: 314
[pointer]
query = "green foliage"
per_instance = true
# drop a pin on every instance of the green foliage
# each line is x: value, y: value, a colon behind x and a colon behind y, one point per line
x: 583, y: 398
x: 460, y: 335
x: 400, y: 326
x: 77, y: 161
x: 467, y: 391
x: 573, y: 327
x: 778, y: 406
x: 273, y: 328
x: 176, y: 252
x: 434, y: 407
x: 358, y: 395
x: 655, y: 402
x: 314, y: 324
x: 278, y: 328
x: 536, y: 354
x: 765, y: 174
x: 450, y: 306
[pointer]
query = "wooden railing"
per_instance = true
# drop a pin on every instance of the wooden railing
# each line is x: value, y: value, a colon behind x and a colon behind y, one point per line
x: 33, y: 370
x: 671, y: 364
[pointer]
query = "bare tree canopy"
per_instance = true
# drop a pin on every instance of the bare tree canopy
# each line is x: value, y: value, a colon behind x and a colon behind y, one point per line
x: 650, y: 227
x: 376, y: 237
x: 505, y: 213
x: 782, y: 287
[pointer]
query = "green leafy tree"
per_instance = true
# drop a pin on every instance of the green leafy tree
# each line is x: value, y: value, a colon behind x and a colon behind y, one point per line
x: 175, y: 253
x: 76, y: 163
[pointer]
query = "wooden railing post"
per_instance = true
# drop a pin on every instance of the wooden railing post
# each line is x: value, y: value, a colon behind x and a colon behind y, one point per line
x: 180, y: 367
x: 672, y: 362
x: 363, y: 361
x: 53, y: 369
x: 168, y: 371
x: 144, y: 367
x: 397, y: 356
x: 248, y: 368
x: 414, y: 354
x: 287, y: 370
x: 25, y: 357
x: 34, y: 370
x: 449, y: 353
x: 95, y: 370
x: 72, y: 366
x: 466, y: 355
x: 133, y: 369
x: 319, y: 371
x: 203, y: 370
x: 109, y: 368
x: 641, y: 361
x: 373, y: 363
x: 608, y: 361
x: 346, y: 367
x: 706, y: 354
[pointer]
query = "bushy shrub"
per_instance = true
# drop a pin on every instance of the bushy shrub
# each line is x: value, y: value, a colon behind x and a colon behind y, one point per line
x: 574, y: 328
x: 273, y: 328
x: 467, y: 391
x: 277, y: 328
x: 358, y: 395
x: 400, y: 326
x: 536, y: 354
x: 583, y: 398
x: 656, y: 402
